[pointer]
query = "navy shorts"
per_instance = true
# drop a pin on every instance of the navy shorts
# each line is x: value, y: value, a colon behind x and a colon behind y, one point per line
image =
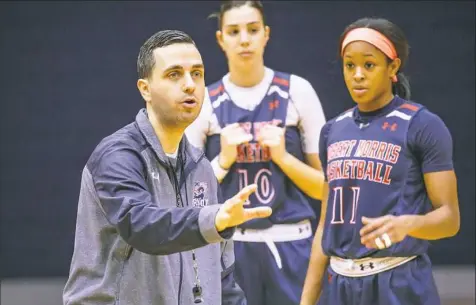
x: 409, y: 284
x: 260, y: 278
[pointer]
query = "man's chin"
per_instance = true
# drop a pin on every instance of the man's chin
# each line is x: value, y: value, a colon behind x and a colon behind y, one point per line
x: 186, y: 119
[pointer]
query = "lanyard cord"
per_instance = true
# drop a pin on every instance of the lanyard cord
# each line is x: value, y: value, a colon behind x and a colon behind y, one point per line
x: 181, y: 159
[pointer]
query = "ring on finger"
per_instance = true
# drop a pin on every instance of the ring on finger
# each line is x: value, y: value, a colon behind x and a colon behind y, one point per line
x: 386, y: 240
x: 379, y: 243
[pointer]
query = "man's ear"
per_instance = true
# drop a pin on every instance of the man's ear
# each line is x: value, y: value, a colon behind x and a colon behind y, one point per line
x: 144, y: 89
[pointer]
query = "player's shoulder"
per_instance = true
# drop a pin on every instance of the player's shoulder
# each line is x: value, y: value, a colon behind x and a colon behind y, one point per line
x: 298, y: 79
x: 419, y: 112
x: 335, y: 120
x: 344, y: 115
x: 289, y: 79
x: 300, y: 89
x: 299, y: 83
x: 406, y: 109
x: 422, y: 115
x: 215, y: 88
x: 215, y: 94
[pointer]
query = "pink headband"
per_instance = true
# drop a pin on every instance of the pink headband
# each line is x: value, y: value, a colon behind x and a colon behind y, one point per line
x: 373, y: 37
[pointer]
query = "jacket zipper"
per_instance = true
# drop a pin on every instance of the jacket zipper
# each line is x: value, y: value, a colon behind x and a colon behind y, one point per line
x: 188, y: 169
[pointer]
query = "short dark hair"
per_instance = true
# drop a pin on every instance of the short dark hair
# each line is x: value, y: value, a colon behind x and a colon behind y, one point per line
x: 146, y: 60
x: 397, y: 37
x: 229, y: 4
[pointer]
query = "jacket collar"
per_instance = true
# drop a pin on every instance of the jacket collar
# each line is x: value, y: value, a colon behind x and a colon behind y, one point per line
x: 151, y: 138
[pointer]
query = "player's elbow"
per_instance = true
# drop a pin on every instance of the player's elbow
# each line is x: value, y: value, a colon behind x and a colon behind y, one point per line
x: 453, y: 224
x: 452, y: 231
x: 317, y: 189
x: 315, y: 194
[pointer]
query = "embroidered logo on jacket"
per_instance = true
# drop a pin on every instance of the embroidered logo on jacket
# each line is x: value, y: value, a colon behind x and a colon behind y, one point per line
x: 200, y: 191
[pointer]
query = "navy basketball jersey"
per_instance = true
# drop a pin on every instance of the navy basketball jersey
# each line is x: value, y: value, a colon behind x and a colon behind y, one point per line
x: 371, y: 172
x: 254, y: 164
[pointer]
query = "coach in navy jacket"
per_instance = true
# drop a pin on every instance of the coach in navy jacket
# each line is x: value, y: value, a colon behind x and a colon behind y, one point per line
x: 149, y: 227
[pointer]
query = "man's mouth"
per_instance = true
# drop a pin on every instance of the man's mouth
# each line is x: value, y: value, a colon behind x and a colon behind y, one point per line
x: 189, y: 103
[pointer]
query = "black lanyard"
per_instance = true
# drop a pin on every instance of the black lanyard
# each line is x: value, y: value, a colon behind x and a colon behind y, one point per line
x: 197, y: 288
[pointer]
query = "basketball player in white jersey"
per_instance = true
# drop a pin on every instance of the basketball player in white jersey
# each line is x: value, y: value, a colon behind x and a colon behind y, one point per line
x: 258, y: 125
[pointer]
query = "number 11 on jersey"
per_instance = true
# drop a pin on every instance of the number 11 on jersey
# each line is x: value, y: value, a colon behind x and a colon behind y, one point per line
x: 338, y: 205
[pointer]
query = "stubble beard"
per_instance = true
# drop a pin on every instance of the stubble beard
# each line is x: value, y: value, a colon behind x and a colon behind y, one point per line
x: 176, y: 120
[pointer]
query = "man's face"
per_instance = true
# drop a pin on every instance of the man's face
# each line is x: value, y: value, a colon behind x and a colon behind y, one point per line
x: 176, y: 88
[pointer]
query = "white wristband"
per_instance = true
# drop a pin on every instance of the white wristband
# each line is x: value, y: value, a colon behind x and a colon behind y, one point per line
x: 219, y: 171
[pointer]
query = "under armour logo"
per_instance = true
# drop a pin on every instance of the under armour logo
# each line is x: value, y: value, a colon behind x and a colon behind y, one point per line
x: 369, y: 265
x: 273, y: 105
x: 386, y: 125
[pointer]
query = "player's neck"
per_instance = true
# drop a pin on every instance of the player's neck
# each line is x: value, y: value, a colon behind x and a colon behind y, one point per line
x: 377, y: 104
x: 247, y: 76
x: 169, y: 137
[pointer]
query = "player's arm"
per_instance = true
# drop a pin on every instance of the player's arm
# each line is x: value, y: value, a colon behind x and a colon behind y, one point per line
x: 431, y: 143
x: 118, y: 177
x: 318, y: 261
x: 435, y: 149
x: 444, y: 220
x: 307, y: 176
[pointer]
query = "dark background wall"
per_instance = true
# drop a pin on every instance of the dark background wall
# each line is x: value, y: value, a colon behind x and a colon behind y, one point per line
x: 68, y: 79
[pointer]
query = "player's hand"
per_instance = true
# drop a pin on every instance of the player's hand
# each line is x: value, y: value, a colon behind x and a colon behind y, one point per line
x: 231, y: 136
x: 233, y: 213
x: 388, y: 229
x: 273, y: 137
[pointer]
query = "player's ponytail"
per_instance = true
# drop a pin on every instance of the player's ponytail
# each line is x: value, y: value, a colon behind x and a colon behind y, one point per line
x: 402, y: 86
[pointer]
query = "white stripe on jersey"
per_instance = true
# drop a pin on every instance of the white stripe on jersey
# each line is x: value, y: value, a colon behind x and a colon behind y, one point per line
x: 348, y: 114
x: 399, y: 114
x: 278, y: 90
x: 223, y: 97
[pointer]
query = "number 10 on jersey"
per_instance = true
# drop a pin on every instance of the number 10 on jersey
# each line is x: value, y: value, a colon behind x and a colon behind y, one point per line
x: 265, y: 191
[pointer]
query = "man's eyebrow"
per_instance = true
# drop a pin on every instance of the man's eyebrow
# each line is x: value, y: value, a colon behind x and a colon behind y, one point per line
x: 179, y: 67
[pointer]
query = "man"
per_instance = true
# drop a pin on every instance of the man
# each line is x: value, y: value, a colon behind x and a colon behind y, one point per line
x: 149, y: 229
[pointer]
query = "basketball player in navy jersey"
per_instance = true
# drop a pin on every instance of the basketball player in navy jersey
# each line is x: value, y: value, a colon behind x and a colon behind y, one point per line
x: 260, y: 126
x: 391, y: 183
